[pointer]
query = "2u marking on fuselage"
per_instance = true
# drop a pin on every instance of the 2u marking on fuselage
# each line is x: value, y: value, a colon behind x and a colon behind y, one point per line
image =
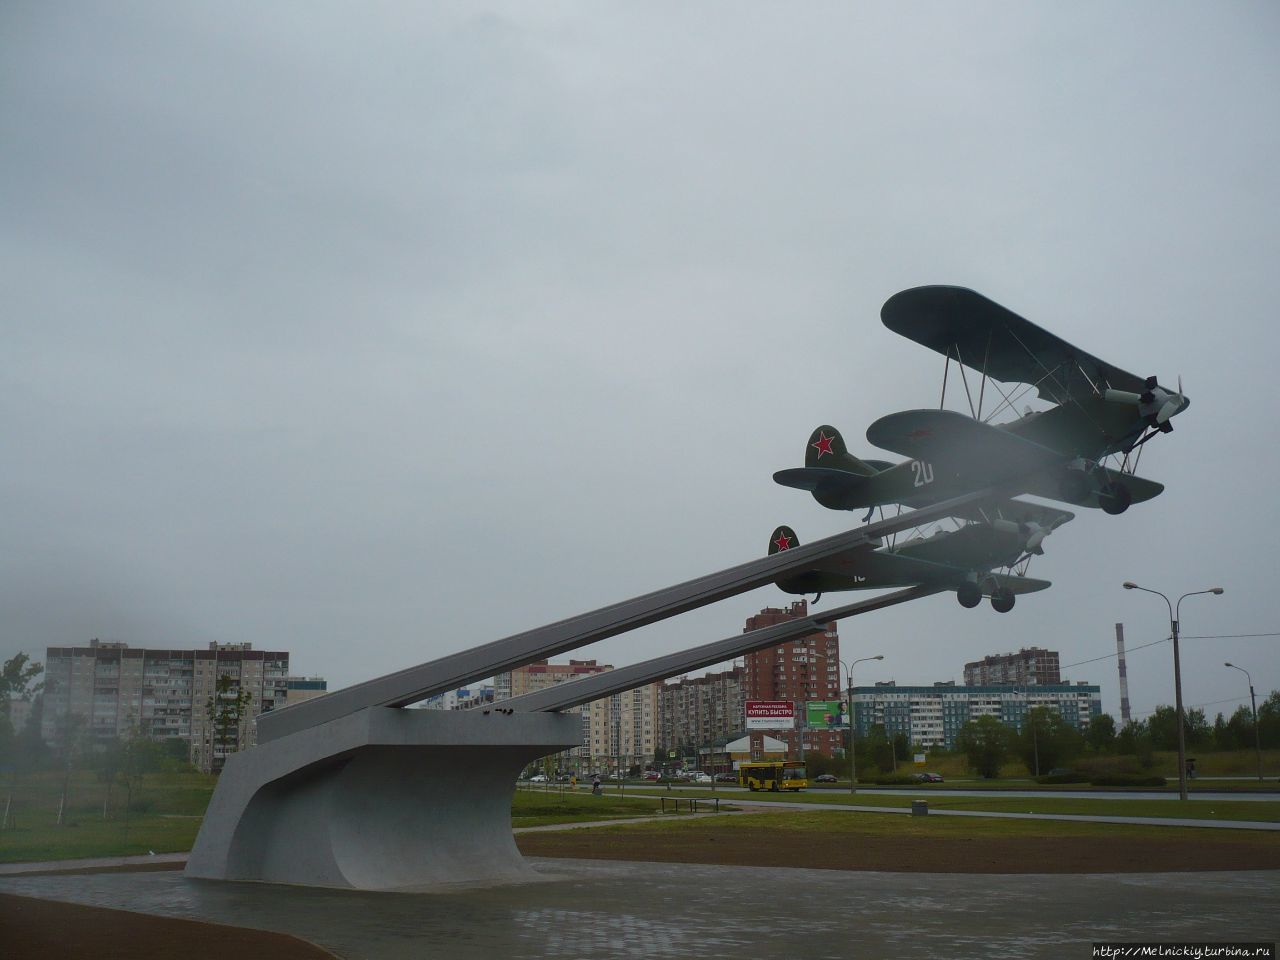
x: 923, y: 472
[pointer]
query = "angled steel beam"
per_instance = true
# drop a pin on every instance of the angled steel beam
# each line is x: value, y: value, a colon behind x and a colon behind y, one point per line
x: 565, y: 695
x: 446, y: 673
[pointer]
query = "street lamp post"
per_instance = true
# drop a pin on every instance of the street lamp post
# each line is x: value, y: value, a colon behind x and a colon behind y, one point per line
x: 1253, y: 702
x: 853, y: 770
x: 1174, y: 611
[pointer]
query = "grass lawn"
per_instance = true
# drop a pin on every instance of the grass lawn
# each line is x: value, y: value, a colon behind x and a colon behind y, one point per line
x: 166, y: 814
x: 898, y: 827
x: 822, y: 839
x: 168, y: 808
x: 1102, y: 806
x: 535, y: 808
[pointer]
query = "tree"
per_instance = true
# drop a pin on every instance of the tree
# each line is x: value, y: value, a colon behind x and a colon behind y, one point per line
x: 1047, y: 741
x: 1163, y: 727
x: 1101, y: 736
x: 1135, y: 739
x: 985, y: 742
x: 72, y: 742
x: 1269, y: 721
x: 875, y: 749
x: 18, y: 680
x: 226, y: 711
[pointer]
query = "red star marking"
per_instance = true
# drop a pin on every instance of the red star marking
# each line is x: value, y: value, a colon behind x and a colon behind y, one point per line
x: 783, y: 542
x: 823, y: 446
x: 919, y: 434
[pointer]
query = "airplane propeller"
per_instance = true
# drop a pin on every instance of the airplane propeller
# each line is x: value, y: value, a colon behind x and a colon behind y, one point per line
x: 1155, y: 404
x: 1034, y: 533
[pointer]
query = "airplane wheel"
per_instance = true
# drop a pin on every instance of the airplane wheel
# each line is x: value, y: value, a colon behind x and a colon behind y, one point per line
x: 1114, y: 498
x: 969, y: 595
x: 1002, y: 601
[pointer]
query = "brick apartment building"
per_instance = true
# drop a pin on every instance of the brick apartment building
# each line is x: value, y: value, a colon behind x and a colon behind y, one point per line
x: 800, y: 670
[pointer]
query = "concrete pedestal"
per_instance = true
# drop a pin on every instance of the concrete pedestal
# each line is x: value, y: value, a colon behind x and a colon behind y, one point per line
x: 382, y: 799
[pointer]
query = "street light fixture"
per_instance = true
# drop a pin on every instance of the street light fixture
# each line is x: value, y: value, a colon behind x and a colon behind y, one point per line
x: 853, y: 772
x: 1253, y: 702
x: 1174, y: 610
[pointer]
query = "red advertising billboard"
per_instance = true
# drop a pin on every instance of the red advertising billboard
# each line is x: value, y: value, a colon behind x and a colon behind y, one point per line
x: 770, y: 715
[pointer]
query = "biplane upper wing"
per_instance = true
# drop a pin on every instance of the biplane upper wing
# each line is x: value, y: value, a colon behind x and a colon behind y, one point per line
x: 981, y: 334
x: 951, y: 439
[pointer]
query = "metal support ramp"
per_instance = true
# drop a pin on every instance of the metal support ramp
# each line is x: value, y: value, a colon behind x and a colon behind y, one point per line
x: 347, y: 790
x: 447, y: 673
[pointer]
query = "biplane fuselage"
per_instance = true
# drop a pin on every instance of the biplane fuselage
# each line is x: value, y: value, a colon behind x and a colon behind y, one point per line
x: 962, y: 560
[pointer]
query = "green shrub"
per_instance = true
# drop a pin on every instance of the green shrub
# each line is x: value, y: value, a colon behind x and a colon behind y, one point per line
x: 1063, y: 778
x: 891, y: 781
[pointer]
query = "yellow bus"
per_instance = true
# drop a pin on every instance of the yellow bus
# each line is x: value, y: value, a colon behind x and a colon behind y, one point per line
x: 772, y: 775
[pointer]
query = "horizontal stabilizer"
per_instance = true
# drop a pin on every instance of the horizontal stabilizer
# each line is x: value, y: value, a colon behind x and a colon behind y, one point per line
x: 810, y: 478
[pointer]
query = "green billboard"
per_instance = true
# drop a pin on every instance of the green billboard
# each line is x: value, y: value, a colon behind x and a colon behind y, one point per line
x: 824, y: 714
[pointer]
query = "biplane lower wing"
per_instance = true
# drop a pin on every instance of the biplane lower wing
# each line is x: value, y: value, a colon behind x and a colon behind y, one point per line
x: 959, y: 446
x: 872, y: 569
x: 1019, y: 585
x: 1052, y: 486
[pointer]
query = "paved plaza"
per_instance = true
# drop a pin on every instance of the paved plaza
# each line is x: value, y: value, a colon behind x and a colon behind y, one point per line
x: 584, y: 908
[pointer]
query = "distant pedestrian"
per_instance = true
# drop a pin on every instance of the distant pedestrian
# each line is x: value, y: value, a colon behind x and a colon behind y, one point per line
x: 596, y: 789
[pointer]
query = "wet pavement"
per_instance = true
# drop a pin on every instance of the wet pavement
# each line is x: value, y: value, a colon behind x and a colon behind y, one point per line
x: 590, y: 908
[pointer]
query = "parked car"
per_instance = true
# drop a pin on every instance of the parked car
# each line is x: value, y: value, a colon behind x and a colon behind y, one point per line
x: 929, y: 777
x: 726, y: 778
x: 538, y: 778
x: 825, y: 778
x: 652, y: 775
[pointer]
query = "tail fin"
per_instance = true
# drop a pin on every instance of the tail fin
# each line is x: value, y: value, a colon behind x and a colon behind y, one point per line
x: 826, y: 449
x: 783, y: 538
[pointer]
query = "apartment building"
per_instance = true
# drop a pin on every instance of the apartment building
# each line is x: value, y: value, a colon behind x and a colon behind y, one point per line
x: 1030, y: 665
x: 696, y: 711
x: 464, y: 698
x: 933, y: 716
x: 620, y: 730
x: 800, y: 670
x: 162, y: 693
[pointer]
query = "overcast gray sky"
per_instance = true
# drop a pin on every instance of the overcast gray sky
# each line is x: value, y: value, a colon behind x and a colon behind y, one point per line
x: 373, y: 332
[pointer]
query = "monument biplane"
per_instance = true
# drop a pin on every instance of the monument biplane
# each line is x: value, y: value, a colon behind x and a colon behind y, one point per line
x: 1083, y: 450
x: 966, y: 560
